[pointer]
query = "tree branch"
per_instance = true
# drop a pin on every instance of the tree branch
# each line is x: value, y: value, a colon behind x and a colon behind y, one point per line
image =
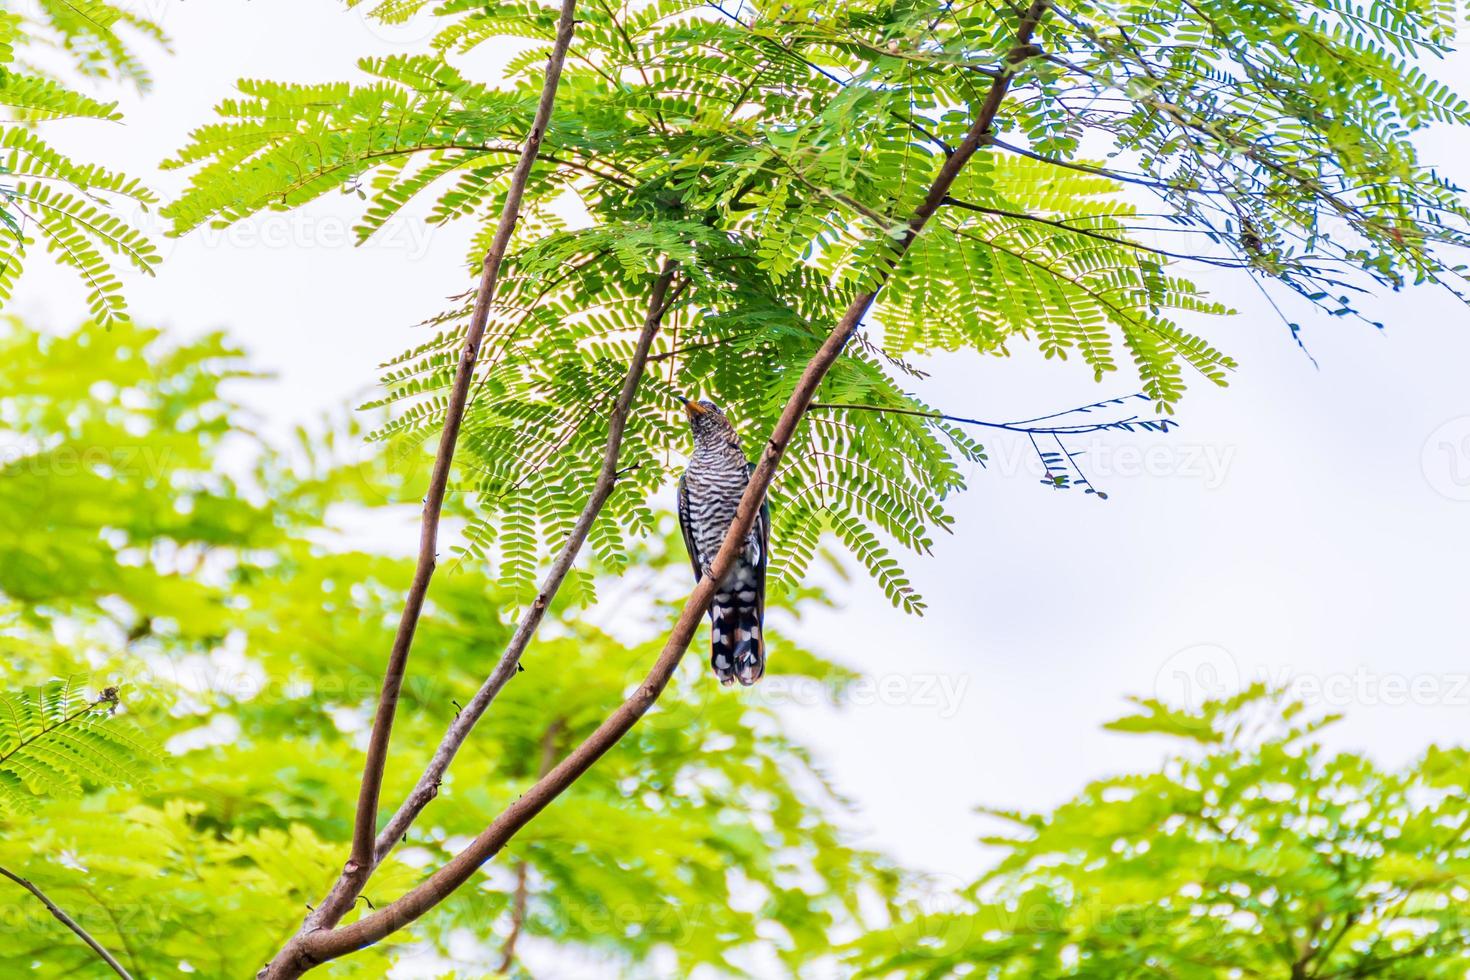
x: 66, y: 920
x: 517, y: 918
x: 427, y: 788
x: 522, y: 893
x: 360, y: 862
x: 321, y: 946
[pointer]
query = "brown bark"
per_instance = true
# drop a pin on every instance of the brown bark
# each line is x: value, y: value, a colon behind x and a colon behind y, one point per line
x: 365, y: 824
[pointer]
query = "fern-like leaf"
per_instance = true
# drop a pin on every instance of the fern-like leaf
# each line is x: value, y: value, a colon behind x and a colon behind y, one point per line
x: 55, y: 741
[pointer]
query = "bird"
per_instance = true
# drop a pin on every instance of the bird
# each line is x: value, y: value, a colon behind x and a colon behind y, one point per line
x: 709, y: 495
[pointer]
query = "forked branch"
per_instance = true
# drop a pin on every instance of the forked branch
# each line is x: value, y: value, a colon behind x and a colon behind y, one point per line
x: 321, y: 946
x: 292, y: 960
x: 661, y: 299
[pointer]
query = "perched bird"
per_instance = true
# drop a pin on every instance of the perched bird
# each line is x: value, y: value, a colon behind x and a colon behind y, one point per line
x: 709, y: 495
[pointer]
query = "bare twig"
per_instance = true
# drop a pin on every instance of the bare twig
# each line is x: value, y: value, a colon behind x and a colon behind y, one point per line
x: 517, y: 917
x: 66, y: 920
x: 321, y: 946
x: 1082, y: 428
x: 360, y: 862
x: 523, y: 888
x: 365, y: 824
x: 1094, y: 233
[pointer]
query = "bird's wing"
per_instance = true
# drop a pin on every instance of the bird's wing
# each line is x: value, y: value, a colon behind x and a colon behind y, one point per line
x: 688, y: 530
x: 763, y: 534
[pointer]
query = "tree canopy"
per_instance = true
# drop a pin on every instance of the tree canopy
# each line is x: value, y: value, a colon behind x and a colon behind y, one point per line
x: 715, y: 189
x: 775, y: 152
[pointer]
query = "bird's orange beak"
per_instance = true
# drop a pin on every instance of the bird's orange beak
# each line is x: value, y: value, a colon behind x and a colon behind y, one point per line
x: 693, y: 408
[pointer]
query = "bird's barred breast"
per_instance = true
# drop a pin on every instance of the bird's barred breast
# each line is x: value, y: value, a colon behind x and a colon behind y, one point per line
x: 714, y: 496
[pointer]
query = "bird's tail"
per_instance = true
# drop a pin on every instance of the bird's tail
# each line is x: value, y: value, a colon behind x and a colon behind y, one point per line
x: 738, y: 646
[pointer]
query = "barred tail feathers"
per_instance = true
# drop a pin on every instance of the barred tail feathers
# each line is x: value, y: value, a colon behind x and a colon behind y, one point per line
x: 737, y: 645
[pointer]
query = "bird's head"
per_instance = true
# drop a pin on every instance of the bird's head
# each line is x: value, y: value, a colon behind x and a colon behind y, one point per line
x: 708, y: 423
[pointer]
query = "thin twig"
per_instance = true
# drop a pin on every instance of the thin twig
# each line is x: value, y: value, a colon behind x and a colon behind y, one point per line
x: 324, y: 945
x: 517, y: 918
x: 1103, y: 172
x: 66, y: 920
x: 1066, y: 430
x: 523, y: 871
x: 1094, y: 233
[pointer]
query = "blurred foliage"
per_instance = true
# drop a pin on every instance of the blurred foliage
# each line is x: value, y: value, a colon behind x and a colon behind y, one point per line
x: 1253, y: 852
x: 242, y: 632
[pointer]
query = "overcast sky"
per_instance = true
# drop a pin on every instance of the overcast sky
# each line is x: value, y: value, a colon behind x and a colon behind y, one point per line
x: 1307, y: 523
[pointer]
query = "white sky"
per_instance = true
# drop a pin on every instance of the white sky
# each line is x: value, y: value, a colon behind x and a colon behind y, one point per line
x: 1303, y: 523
